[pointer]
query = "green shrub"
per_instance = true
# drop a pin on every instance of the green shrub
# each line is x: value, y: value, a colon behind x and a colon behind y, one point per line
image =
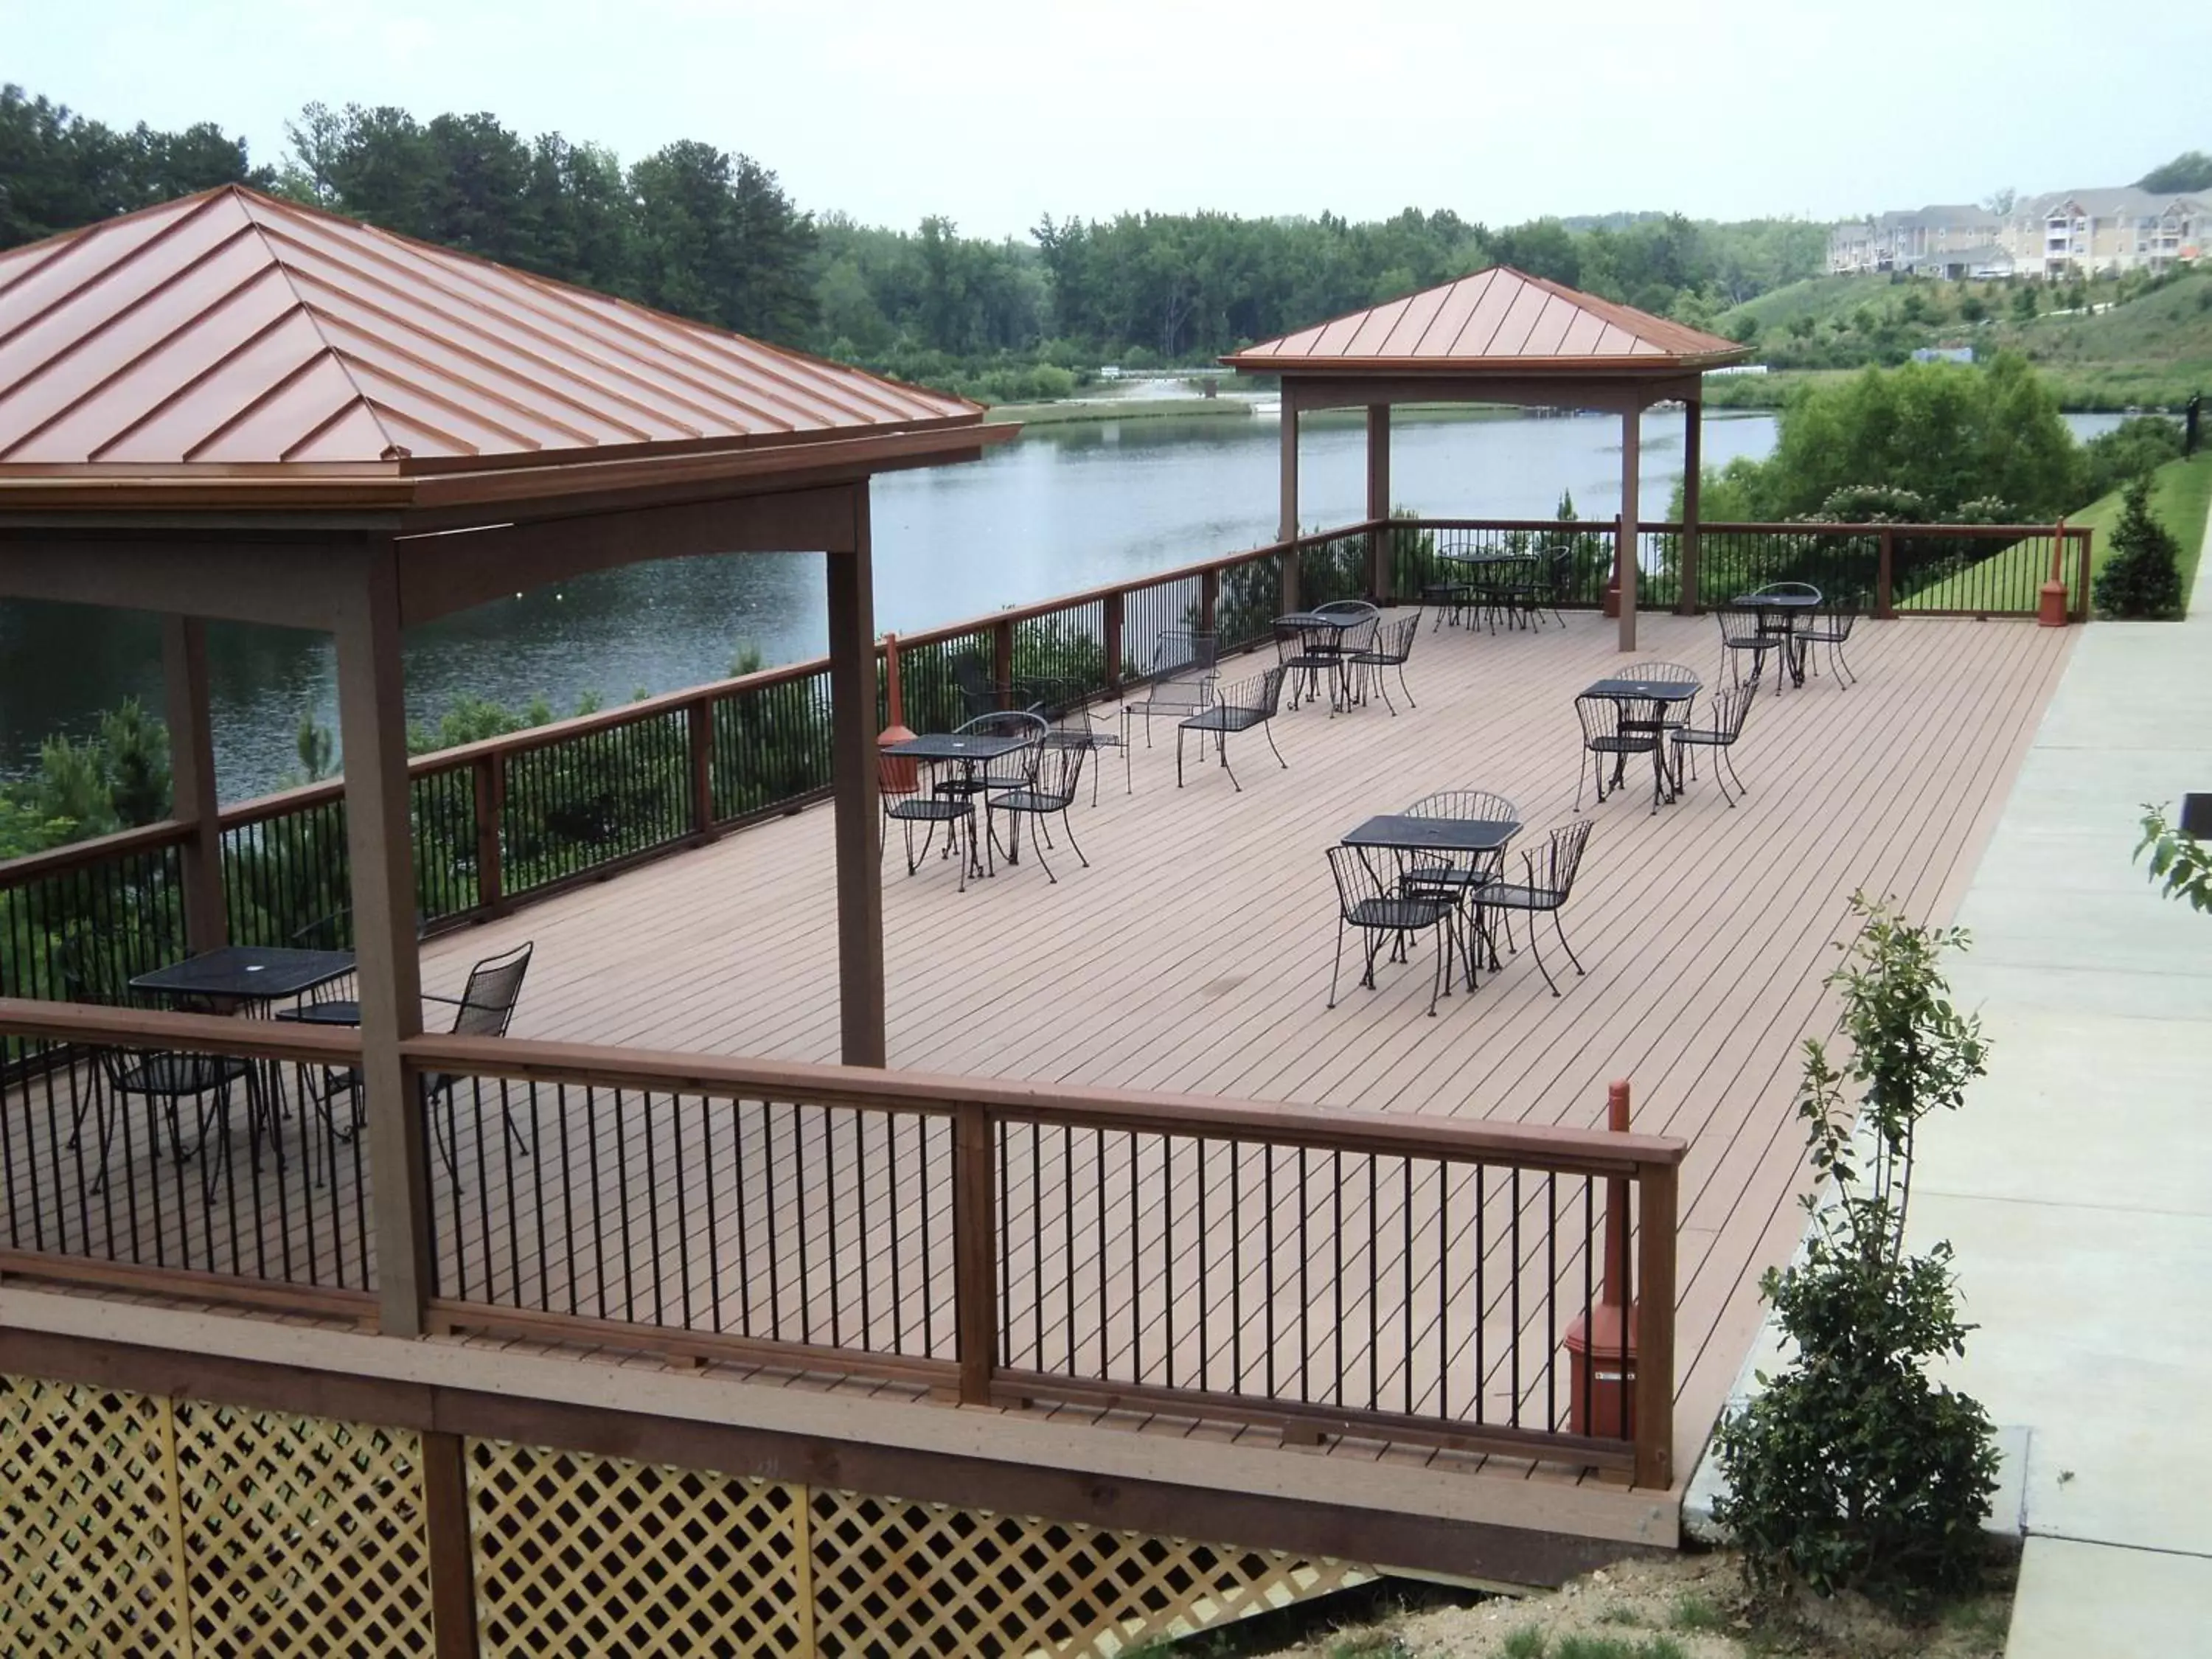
x: 2140, y: 444
x: 1851, y: 1470
x: 2141, y: 576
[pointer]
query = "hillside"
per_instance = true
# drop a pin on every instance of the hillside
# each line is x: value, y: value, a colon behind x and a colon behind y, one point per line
x: 1824, y: 299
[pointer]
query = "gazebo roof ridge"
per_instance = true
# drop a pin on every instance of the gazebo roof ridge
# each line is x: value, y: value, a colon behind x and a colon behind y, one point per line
x: 1495, y: 320
x: 227, y: 331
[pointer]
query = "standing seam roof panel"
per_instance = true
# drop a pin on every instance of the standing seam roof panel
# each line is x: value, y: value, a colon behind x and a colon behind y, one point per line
x: 1413, y: 322
x: 229, y: 328
x: 1460, y: 301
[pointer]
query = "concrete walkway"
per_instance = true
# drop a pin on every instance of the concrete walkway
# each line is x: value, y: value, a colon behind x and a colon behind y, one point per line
x: 2076, y: 1183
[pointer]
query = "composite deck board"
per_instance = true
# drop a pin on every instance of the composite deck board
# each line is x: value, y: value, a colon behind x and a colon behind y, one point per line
x: 1193, y: 956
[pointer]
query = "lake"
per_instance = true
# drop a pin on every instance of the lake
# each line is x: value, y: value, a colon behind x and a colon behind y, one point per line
x: 1063, y: 508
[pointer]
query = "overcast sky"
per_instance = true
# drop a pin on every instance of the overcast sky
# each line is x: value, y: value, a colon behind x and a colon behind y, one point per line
x: 997, y: 113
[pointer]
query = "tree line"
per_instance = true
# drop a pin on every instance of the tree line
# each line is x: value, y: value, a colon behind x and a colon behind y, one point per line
x: 709, y: 234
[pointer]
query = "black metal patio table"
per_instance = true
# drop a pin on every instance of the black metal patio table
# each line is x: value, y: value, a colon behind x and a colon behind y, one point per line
x: 249, y: 978
x: 1482, y: 838
x: 968, y: 750
x: 1665, y: 785
x: 1522, y: 563
x: 1778, y: 616
x: 1321, y: 634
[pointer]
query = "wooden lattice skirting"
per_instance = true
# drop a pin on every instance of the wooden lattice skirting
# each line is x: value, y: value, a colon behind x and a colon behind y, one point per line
x: 136, y: 1524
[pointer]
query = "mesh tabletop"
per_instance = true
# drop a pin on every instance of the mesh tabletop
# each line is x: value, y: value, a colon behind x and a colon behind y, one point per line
x: 953, y: 746
x: 254, y: 972
x: 1775, y: 602
x: 1645, y: 690
x: 1425, y: 835
x: 1337, y: 619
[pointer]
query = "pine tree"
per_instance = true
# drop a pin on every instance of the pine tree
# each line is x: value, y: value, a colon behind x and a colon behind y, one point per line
x: 2142, y: 576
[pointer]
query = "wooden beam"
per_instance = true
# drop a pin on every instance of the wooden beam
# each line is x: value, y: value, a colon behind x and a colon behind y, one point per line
x: 1611, y: 393
x: 1378, y: 502
x: 853, y: 772
x: 192, y: 772
x: 452, y: 1555
x: 1693, y: 461
x: 1625, y: 553
x: 1286, y: 514
x: 446, y: 571
x: 373, y: 727
x: 286, y: 583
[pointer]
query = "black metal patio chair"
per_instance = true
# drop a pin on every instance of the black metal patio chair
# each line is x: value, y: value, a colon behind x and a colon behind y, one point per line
x: 1392, y: 645
x: 906, y: 803
x: 1074, y: 725
x: 1831, y: 628
x: 1550, y: 873
x: 485, y: 1008
x: 1239, y: 708
x: 1059, y: 775
x: 1179, y: 682
x: 1369, y: 899
x: 1727, y: 710
x: 1015, y: 769
x: 1744, y: 634
x: 1612, y: 730
x: 1451, y: 595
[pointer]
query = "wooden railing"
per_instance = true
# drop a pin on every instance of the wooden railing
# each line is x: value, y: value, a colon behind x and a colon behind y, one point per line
x: 531, y: 813
x: 1301, y: 1268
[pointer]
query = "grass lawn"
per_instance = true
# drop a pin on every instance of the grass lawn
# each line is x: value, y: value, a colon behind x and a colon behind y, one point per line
x: 2180, y: 498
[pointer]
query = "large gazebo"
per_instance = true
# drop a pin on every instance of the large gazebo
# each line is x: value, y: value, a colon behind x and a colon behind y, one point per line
x: 1498, y: 336
x: 234, y: 408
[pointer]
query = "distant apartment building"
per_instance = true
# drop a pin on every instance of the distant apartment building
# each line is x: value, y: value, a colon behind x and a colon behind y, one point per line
x: 2067, y: 233
x: 2082, y: 232
x: 1936, y: 241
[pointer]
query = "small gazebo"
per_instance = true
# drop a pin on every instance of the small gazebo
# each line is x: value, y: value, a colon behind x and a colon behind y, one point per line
x: 235, y: 408
x: 1498, y: 336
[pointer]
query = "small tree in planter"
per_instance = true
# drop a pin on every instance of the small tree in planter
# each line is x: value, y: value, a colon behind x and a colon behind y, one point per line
x: 1852, y: 1471
x: 2140, y: 577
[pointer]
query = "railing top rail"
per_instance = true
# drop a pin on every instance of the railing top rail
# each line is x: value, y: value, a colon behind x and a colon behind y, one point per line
x: 149, y: 1027
x: 1675, y: 528
x: 1581, y: 1152
x: 59, y: 860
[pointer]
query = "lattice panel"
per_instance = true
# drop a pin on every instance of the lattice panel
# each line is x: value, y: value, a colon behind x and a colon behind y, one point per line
x: 87, y: 1522
x: 893, y: 1579
x: 584, y: 1555
x: 301, y: 1535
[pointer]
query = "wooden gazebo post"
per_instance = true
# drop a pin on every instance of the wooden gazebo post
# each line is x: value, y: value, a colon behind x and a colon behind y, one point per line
x: 1286, y: 514
x: 193, y: 793
x: 1693, y: 461
x: 853, y: 776
x: 1379, y: 574
x: 1623, y: 553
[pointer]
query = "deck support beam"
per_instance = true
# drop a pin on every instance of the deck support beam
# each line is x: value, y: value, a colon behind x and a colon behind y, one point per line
x: 1286, y: 515
x: 1693, y: 461
x: 1379, y: 573
x: 1623, y: 563
x: 192, y: 772
x: 379, y: 847
x: 852, y: 774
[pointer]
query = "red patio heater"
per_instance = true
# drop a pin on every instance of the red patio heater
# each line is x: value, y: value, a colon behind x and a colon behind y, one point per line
x: 896, y: 773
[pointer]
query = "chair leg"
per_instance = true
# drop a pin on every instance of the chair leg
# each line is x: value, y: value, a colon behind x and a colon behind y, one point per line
x: 1068, y: 829
x: 1539, y: 955
x: 1437, y: 979
x: 1036, y: 846
x: 1178, y: 756
x: 1559, y: 928
x: 1836, y: 660
x: 1336, y: 963
x: 1268, y: 727
x: 1728, y: 759
x: 1405, y: 688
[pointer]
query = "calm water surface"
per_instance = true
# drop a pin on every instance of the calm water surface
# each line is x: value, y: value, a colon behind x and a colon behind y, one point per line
x: 1062, y: 507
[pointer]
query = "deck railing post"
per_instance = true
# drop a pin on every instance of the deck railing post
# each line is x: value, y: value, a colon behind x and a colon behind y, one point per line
x: 1002, y: 662
x: 1654, y: 1325
x: 975, y: 1253
x: 1885, y: 572
x: 490, y: 790
x: 699, y: 732
x: 1209, y: 601
x: 1112, y: 630
x: 446, y: 1534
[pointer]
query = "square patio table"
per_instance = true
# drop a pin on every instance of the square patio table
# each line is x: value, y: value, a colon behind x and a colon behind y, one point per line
x: 1784, y: 610
x: 1321, y: 634
x: 248, y: 974
x: 968, y: 750
x: 1664, y: 785
x: 1399, y: 832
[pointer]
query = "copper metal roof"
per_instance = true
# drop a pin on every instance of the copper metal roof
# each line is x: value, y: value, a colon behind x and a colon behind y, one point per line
x: 230, y: 333
x: 1496, y: 319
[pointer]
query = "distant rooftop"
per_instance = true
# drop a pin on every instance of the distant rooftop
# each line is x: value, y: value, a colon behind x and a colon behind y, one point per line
x: 1498, y: 318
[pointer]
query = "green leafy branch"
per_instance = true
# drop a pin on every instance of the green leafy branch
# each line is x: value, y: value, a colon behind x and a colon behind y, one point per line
x: 2180, y: 864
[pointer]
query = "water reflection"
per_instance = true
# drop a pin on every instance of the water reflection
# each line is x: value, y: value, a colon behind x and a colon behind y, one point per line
x: 1065, y: 508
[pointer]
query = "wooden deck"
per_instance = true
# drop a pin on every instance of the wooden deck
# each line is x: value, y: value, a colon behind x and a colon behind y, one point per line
x: 1194, y: 954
